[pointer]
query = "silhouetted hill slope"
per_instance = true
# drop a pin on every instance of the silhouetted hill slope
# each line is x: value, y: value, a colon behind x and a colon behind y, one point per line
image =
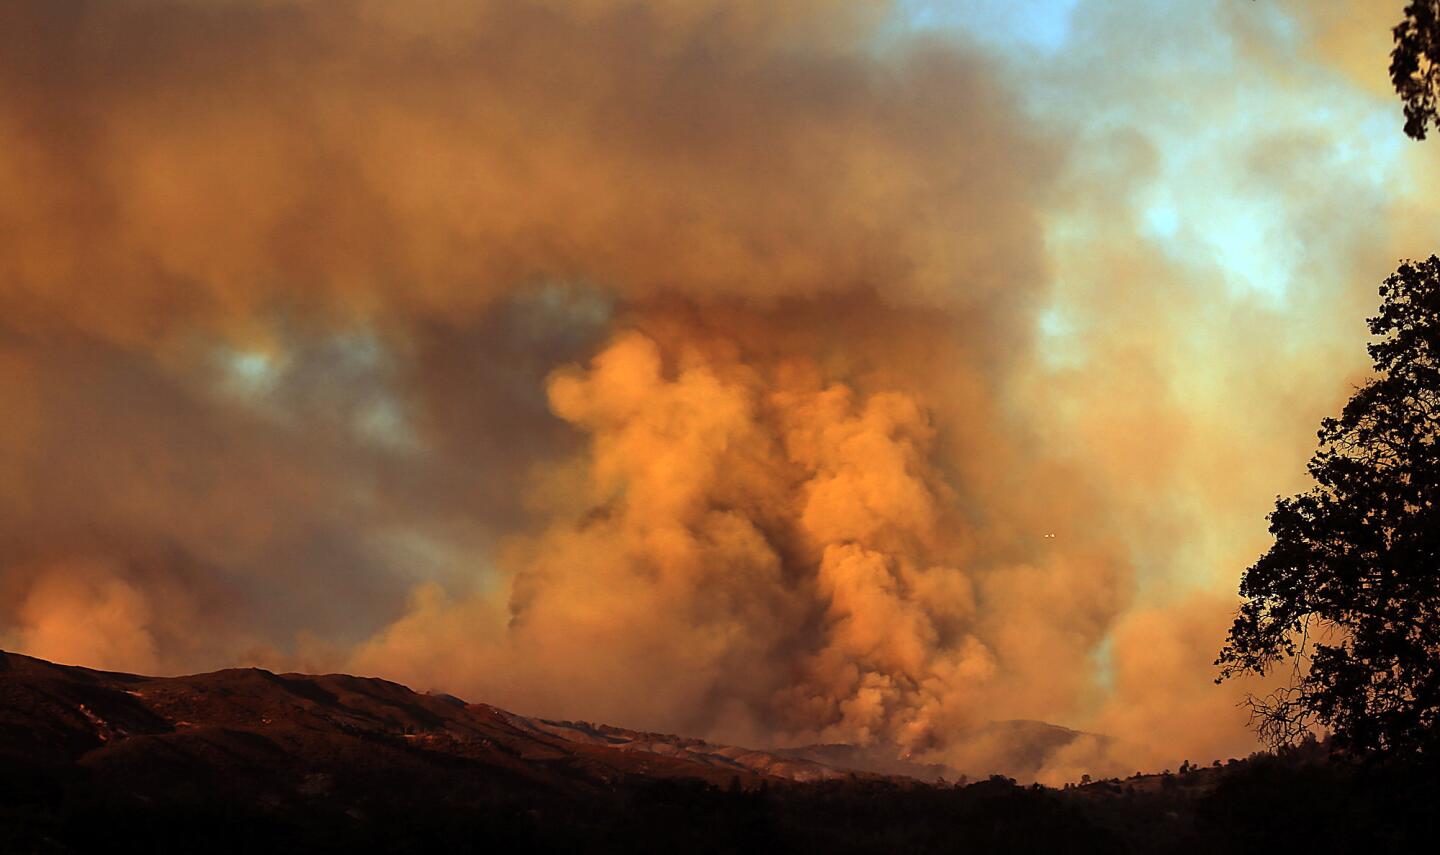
x: 246, y: 760
x: 252, y: 718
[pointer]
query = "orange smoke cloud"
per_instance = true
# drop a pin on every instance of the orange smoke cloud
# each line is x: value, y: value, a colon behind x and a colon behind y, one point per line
x: 742, y: 369
x: 213, y: 162
x: 762, y: 552
x: 89, y: 618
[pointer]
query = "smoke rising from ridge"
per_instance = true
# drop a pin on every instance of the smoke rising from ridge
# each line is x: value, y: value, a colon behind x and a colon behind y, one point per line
x: 721, y: 368
x: 753, y: 549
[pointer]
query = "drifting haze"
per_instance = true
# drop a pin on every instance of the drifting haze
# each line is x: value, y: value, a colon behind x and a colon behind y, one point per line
x: 775, y: 372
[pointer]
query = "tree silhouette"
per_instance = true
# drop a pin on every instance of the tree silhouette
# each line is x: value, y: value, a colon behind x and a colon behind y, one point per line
x: 1349, y: 594
x: 1413, y: 67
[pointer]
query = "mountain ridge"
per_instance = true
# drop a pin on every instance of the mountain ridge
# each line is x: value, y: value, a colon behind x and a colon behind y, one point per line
x: 83, y: 710
x: 71, y: 714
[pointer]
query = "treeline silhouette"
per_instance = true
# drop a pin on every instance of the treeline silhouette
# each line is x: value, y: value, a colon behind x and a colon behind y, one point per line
x: 1300, y: 799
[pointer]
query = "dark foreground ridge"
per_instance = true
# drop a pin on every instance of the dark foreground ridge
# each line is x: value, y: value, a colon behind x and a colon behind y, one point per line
x: 247, y: 760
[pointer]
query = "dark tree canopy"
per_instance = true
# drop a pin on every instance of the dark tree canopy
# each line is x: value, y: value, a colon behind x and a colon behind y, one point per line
x: 1348, y: 597
x: 1413, y: 67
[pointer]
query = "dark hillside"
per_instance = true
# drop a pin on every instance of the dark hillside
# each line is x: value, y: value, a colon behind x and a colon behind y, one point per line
x: 246, y: 760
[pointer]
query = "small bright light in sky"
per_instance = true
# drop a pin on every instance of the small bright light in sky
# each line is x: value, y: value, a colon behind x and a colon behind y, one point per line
x: 1240, y: 238
x: 1052, y: 322
x: 1162, y: 220
x: 349, y: 375
x: 250, y: 372
x: 1057, y: 344
x: 1043, y: 24
x: 383, y: 421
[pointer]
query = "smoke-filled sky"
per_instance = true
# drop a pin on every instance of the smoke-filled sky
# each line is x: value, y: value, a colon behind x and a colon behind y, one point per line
x: 775, y: 372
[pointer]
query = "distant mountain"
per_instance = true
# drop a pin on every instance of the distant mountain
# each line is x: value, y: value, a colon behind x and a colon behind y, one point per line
x: 885, y: 760
x: 1018, y: 749
x: 715, y: 758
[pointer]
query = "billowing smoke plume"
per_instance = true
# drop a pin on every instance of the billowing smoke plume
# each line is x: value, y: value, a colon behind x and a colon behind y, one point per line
x: 762, y: 542
x: 757, y: 370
